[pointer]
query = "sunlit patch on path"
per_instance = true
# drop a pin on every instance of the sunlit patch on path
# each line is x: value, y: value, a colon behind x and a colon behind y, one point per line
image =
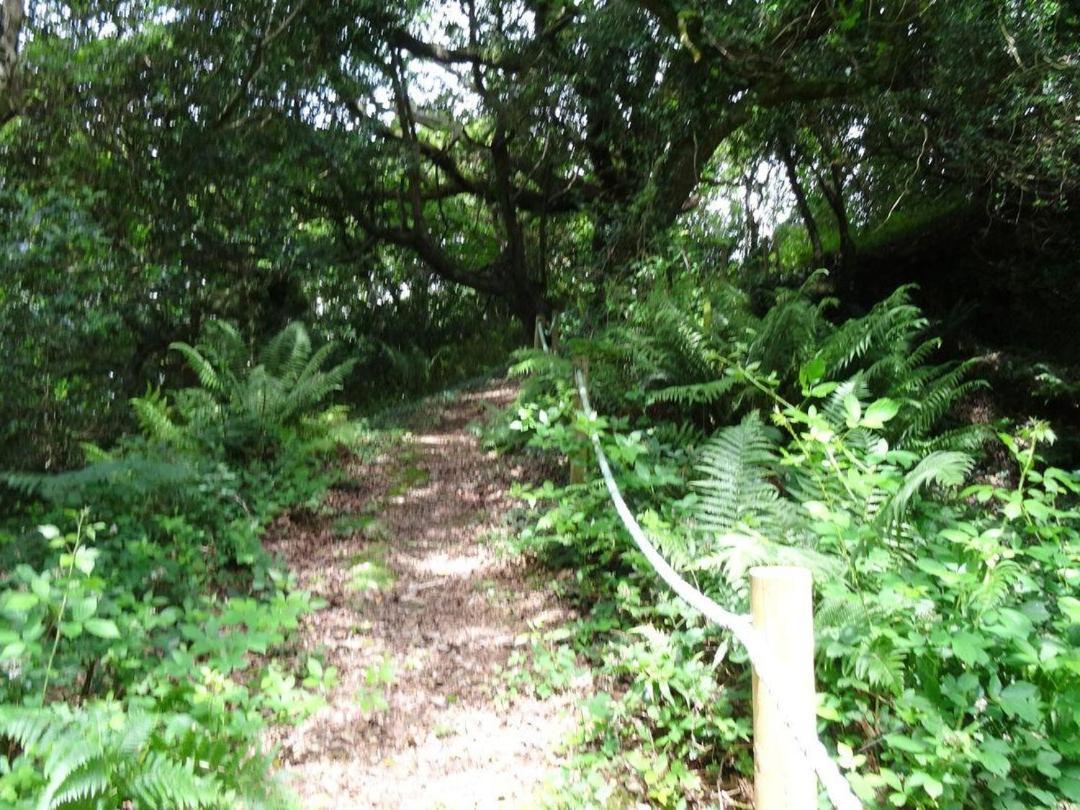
x: 423, y: 614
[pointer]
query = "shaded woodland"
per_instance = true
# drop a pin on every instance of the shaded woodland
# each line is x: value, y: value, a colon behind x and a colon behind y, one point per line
x: 822, y: 257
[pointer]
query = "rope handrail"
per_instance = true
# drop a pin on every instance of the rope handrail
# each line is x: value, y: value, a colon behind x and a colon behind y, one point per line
x: 740, y: 625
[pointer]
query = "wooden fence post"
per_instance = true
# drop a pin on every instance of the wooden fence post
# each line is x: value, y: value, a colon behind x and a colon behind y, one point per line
x: 538, y: 327
x: 781, y: 604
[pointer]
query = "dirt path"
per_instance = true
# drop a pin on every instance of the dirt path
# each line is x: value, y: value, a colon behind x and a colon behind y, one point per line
x: 422, y: 614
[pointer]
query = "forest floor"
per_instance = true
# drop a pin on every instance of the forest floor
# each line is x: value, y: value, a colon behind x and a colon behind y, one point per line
x: 423, y: 615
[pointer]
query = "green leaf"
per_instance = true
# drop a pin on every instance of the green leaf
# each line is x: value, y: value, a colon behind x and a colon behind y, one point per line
x: 812, y: 371
x: 49, y: 532
x: 1069, y: 785
x: 932, y: 786
x: 84, y: 609
x: 599, y: 707
x: 1046, y: 763
x: 879, y: 412
x: 1070, y: 607
x: 12, y: 650
x: 84, y: 560
x: 823, y: 389
x: 970, y: 648
x: 102, y: 628
x: 40, y: 586
x: 852, y: 410
x: 1021, y: 699
x: 906, y: 744
x: 994, y: 756
x: 20, y: 601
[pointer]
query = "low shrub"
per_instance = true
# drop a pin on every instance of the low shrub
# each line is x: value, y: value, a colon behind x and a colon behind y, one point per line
x: 140, y: 615
x: 946, y: 610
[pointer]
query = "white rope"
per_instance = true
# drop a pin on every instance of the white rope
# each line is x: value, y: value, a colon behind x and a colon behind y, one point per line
x: 768, y: 671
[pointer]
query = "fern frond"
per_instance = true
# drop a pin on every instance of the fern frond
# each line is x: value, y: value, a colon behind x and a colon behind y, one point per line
x: 889, y: 326
x: 287, y: 352
x: 945, y: 468
x: 164, y: 782
x: 936, y: 397
x: 24, y: 726
x: 141, y: 475
x: 735, y: 553
x: 966, y: 439
x: 99, y: 756
x: 223, y: 344
x: 786, y: 335
x: 92, y: 780
x: 997, y: 585
x: 92, y: 454
x: 203, y: 368
x: 67, y: 751
x: 705, y: 393
x: 834, y: 406
x: 881, y: 666
x: 152, y: 414
x: 137, y: 731
x: 736, y: 492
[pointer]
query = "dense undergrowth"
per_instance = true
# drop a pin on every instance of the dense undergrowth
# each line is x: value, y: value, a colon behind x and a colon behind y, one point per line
x: 944, y: 551
x: 144, y: 631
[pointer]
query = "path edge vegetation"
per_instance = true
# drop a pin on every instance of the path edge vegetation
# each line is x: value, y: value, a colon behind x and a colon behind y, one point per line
x: 946, y: 578
x: 145, y: 632
x: 418, y: 181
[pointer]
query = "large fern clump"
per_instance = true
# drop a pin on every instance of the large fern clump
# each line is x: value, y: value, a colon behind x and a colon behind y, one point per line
x: 245, y: 405
x: 740, y: 507
x: 100, y: 756
x: 700, y: 356
x: 891, y: 353
x: 745, y: 436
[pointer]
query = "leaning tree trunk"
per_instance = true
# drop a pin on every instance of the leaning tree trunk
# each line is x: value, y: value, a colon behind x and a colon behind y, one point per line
x: 832, y: 188
x: 802, y: 203
x: 11, y: 21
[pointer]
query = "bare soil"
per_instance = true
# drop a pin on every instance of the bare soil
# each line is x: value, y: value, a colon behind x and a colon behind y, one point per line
x: 423, y: 612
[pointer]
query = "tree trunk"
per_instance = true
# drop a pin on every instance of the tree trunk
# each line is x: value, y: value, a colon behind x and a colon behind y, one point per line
x: 832, y: 187
x: 801, y: 202
x: 11, y: 21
